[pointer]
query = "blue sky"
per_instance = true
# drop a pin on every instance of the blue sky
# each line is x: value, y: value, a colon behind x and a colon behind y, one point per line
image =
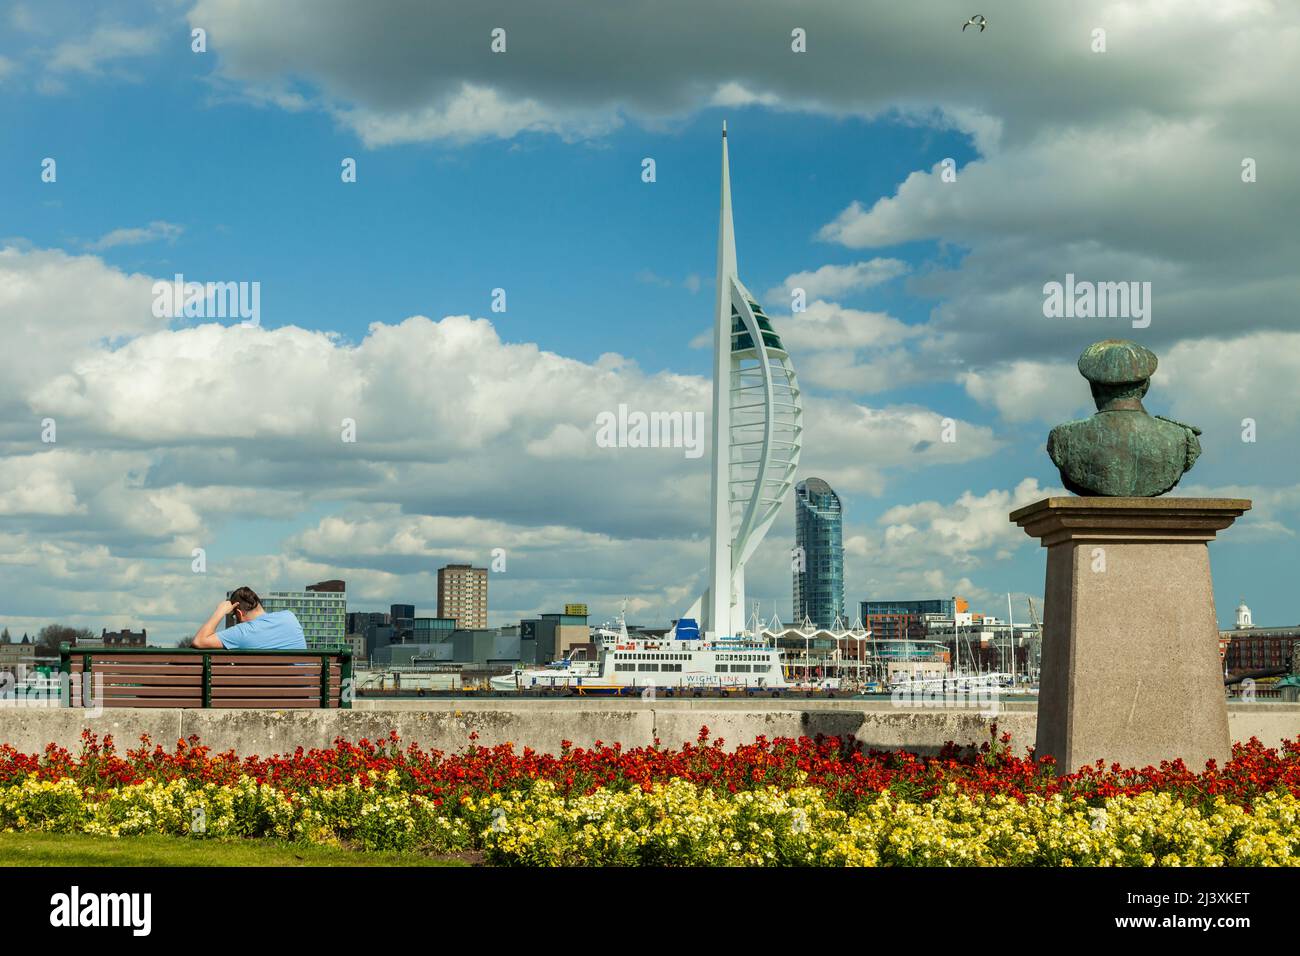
x: 535, y: 187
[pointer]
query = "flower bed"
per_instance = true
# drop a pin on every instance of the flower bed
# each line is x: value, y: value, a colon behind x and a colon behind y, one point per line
x: 821, y: 801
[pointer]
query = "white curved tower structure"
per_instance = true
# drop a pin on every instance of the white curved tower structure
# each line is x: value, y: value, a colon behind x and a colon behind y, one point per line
x: 757, y: 433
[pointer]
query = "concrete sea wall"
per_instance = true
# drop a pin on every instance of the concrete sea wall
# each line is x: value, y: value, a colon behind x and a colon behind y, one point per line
x: 542, y: 724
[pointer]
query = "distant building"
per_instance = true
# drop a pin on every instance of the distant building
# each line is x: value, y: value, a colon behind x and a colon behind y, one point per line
x: 463, y: 595
x: 1243, y: 617
x: 482, y: 648
x: 431, y: 630
x: 472, y: 649
x: 123, y: 638
x: 944, y: 606
x: 1249, y: 648
x: 903, y: 620
x: 647, y: 633
x: 377, y: 638
x: 819, y: 549
x: 401, y: 618
x: 322, y: 614
x: 1246, y: 647
x: 984, y: 642
x: 413, y: 655
x: 913, y: 660
x: 14, y: 655
x: 1259, y: 648
x: 333, y: 587
x: 554, y: 635
x: 361, y: 622
x: 357, y: 643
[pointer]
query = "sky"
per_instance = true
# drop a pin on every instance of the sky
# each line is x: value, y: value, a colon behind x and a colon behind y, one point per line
x: 523, y: 171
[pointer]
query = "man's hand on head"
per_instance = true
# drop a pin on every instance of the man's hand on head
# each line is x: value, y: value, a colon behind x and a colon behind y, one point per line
x: 207, y: 634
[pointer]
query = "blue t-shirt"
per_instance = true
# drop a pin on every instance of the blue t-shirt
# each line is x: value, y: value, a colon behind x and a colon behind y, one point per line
x: 276, y: 630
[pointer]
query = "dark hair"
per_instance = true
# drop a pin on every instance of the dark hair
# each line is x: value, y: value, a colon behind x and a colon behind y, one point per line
x: 245, y: 599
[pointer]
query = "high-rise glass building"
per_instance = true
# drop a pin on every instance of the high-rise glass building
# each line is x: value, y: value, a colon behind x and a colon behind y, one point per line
x: 819, y: 551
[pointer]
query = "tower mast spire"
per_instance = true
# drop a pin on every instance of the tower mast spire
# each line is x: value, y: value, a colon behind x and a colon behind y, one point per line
x: 757, y: 433
x: 717, y: 611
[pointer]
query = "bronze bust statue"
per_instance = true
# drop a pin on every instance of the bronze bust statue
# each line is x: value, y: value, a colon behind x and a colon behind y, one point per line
x: 1121, y: 451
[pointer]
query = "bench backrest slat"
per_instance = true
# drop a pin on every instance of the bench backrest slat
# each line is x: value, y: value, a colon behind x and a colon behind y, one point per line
x: 192, y: 677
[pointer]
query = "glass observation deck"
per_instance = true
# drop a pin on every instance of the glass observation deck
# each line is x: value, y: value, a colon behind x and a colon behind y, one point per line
x: 742, y: 341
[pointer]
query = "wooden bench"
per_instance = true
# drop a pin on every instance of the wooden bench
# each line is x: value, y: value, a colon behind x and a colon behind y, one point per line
x: 191, y: 677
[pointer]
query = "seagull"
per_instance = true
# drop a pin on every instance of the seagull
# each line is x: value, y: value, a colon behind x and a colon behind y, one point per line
x: 976, y: 21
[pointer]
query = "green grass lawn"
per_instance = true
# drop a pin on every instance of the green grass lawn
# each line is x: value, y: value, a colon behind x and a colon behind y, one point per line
x: 75, y: 849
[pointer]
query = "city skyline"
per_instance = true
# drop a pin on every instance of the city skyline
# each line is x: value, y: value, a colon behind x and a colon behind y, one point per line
x: 919, y: 196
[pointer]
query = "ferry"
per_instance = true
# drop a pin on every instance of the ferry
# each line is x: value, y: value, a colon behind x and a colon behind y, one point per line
x: 681, y: 659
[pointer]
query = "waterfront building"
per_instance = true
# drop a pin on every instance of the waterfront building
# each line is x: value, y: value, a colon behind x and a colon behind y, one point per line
x: 555, y: 635
x: 463, y: 595
x: 1248, y: 648
x: 982, y: 642
x: 905, y: 620
x: 467, y: 649
x: 819, y: 546
x: 757, y: 434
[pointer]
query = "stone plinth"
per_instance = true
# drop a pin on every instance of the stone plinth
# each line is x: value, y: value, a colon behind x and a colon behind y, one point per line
x: 1130, y: 669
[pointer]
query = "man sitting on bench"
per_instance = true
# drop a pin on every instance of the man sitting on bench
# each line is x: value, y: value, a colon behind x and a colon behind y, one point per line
x: 255, y: 630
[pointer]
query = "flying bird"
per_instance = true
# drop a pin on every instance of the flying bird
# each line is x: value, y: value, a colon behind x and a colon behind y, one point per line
x: 976, y: 21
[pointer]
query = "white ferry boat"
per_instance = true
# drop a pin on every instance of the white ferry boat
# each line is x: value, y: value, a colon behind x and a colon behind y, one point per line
x: 680, y: 659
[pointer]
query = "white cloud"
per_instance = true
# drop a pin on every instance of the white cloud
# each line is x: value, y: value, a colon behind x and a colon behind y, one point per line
x: 1274, y: 512
x: 1030, y: 391
x: 173, y: 438
x: 104, y: 45
x: 857, y: 448
x: 156, y: 231
x: 835, y: 281
x: 827, y: 325
x: 472, y: 112
x: 960, y: 529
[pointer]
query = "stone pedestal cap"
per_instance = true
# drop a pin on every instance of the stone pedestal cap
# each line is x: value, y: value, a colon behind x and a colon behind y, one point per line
x: 1054, y: 520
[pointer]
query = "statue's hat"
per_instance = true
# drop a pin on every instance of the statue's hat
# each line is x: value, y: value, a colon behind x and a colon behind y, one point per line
x: 1116, y: 362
